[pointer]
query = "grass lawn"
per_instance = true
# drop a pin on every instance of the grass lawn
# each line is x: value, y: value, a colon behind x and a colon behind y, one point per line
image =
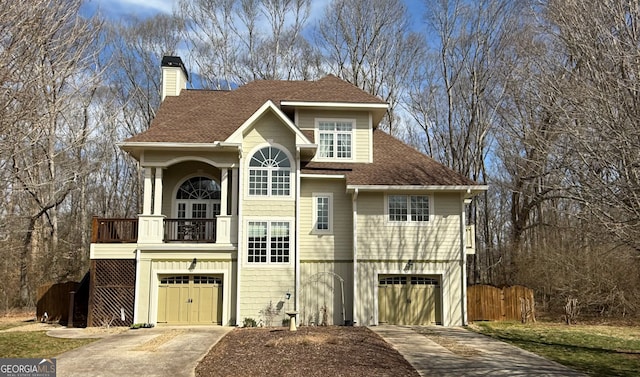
x: 592, y: 349
x: 8, y: 325
x: 36, y: 344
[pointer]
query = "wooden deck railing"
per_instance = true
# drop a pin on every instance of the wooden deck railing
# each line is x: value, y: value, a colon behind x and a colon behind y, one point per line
x: 114, y: 230
x: 190, y: 230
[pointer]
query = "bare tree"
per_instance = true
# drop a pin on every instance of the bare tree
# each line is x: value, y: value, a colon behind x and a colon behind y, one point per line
x: 456, y: 98
x: 237, y: 41
x: 370, y: 45
x: 51, y: 55
x: 601, y: 42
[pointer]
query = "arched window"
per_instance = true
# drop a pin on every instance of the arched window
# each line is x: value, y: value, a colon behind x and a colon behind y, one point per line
x: 199, y: 188
x: 197, y: 204
x: 269, y: 173
x: 198, y: 198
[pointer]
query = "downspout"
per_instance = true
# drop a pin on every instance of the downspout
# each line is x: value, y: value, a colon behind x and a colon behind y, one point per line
x: 297, y: 242
x: 240, y: 239
x: 136, y: 293
x: 463, y: 239
x: 355, y: 256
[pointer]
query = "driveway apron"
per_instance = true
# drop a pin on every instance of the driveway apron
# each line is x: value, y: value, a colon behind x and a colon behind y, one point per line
x: 446, y: 351
x: 160, y: 351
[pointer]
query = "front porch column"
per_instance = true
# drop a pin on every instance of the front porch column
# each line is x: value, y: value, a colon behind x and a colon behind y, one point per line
x: 223, y: 220
x: 234, y: 191
x: 224, y: 191
x: 147, y: 192
x: 157, y: 193
x: 151, y: 224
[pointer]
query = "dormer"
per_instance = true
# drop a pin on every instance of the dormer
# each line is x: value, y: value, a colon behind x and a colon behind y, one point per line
x: 174, y: 76
x: 339, y: 117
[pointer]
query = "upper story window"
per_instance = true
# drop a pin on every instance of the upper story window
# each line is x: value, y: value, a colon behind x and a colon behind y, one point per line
x: 408, y: 208
x: 323, y: 213
x: 269, y: 173
x: 335, y: 139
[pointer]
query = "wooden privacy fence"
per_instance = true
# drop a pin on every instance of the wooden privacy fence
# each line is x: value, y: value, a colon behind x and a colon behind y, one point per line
x: 488, y: 303
x: 54, y: 299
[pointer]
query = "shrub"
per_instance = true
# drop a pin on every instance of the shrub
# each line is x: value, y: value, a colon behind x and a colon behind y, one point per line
x: 249, y: 322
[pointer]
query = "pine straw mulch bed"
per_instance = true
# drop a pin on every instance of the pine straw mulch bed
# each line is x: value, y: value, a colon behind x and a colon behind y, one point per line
x: 310, y: 351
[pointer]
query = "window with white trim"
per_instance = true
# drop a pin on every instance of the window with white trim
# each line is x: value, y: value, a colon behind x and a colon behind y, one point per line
x: 322, y: 213
x: 335, y: 139
x: 269, y: 173
x: 268, y: 242
x: 408, y: 208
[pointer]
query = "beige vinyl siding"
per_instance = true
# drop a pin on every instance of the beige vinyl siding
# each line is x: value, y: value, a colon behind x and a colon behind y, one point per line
x: 264, y: 285
x: 339, y: 244
x: 362, y: 134
x: 167, y: 156
x: 148, y: 270
x: 268, y: 127
x: 112, y: 250
x: 440, y: 239
x: 170, y: 83
x: 449, y: 274
x: 319, y: 287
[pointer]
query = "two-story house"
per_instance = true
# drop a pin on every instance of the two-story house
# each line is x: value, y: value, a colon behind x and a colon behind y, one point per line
x: 280, y: 196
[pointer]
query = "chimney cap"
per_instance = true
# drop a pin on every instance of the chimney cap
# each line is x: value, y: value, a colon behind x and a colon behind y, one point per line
x: 174, y: 61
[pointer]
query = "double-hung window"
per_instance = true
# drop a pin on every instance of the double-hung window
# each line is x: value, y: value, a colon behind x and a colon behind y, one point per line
x: 268, y: 242
x: 408, y: 208
x: 269, y: 173
x: 335, y: 139
x: 322, y: 213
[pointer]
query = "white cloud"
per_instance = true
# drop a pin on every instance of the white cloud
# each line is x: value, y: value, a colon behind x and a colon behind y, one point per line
x: 160, y: 6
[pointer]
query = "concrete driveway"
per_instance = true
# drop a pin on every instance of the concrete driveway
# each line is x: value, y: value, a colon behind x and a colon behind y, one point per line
x: 446, y: 351
x: 160, y: 351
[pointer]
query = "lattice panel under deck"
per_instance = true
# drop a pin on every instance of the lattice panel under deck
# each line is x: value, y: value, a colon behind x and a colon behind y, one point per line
x: 113, y: 290
x: 115, y: 272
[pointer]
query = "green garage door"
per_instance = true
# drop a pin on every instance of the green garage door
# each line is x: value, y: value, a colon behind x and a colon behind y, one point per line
x: 190, y: 299
x: 409, y: 300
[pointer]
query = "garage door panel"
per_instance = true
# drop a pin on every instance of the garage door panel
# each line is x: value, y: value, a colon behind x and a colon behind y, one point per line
x: 190, y: 299
x: 424, y: 304
x: 391, y: 302
x: 409, y: 300
x: 205, y: 304
x: 177, y: 304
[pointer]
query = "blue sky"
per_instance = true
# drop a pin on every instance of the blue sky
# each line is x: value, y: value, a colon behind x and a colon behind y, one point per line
x: 115, y: 9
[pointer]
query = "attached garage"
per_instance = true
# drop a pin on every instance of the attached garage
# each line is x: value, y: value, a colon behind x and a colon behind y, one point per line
x: 190, y: 299
x: 409, y: 300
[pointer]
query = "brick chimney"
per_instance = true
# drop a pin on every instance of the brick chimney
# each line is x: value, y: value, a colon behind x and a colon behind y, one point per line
x: 174, y: 76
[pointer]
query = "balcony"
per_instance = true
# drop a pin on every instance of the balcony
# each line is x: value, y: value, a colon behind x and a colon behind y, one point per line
x: 190, y: 230
x: 114, y: 230
x: 175, y: 230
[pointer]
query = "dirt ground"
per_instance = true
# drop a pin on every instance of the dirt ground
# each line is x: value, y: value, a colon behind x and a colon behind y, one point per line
x: 22, y: 321
x: 310, y: 351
